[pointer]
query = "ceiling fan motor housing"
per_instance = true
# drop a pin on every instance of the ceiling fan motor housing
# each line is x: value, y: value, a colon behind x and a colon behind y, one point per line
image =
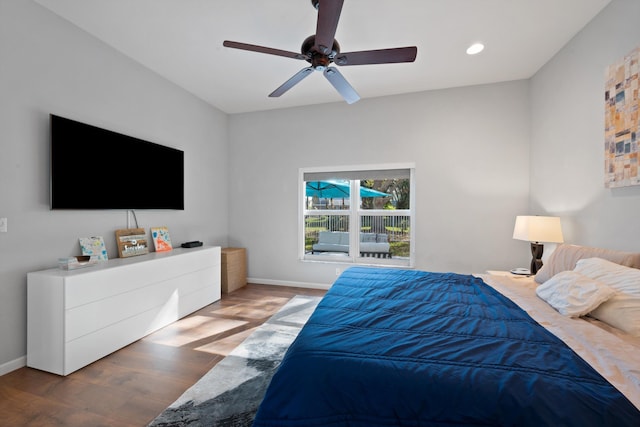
x: 318, y: 60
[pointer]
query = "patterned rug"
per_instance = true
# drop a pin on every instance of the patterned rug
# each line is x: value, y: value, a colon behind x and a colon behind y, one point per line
x: 230, y: 393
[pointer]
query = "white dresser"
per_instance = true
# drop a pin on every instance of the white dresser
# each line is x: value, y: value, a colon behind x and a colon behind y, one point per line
x: 77, y: 317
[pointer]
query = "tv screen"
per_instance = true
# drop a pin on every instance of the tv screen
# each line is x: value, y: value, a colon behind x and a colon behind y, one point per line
x: 94, y: 168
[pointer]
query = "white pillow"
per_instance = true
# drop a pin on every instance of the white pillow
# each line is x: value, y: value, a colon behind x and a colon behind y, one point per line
x: 573, y: 294
x: 623, y: 309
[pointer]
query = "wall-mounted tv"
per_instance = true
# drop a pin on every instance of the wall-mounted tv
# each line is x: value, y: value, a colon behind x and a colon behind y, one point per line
x: 94, y: 168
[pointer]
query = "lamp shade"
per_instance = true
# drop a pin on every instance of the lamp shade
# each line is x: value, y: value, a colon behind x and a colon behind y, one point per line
x: 538, y: 229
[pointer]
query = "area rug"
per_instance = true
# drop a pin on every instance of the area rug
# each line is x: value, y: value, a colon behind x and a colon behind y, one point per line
x: 230, y: 393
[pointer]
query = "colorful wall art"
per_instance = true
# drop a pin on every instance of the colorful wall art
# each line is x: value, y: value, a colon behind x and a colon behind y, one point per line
x: 622, y: 103
x: 161, y: 239
x: 94, y: 247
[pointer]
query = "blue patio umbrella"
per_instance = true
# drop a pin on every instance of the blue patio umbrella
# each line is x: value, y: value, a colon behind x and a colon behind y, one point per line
x: 337, y: 189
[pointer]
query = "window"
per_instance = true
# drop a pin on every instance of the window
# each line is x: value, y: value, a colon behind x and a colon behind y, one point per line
x: 358, y: 215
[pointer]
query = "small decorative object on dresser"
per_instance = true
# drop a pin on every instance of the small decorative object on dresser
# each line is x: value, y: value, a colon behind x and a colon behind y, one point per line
x: 94, y: 247
x: 76, y: 262
x: 161, y: 239
x: 131, y: 242
x: 234, y: 269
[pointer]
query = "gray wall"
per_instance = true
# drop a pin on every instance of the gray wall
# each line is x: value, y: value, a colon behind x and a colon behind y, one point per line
x: 49, y: 66
x: 470, y: 146
x: 483, y: 155
x: 567, y: 148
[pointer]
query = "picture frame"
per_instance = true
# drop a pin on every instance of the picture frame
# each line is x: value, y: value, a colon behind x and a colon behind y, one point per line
x: 94, y: 247
x: 161, y: 239
x: 131, y: 242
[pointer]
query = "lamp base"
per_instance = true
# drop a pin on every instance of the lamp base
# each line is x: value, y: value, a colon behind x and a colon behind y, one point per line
x: 536, y: 253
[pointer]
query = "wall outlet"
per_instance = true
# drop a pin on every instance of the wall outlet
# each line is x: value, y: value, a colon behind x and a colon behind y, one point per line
x: 338, y: 272
x: 3, y: 225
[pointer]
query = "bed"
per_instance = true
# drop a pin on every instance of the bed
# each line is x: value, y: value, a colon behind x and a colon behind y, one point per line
x: 388, y: 347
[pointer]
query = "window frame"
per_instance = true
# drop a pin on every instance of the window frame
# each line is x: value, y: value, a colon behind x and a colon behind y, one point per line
x: 355, y: 213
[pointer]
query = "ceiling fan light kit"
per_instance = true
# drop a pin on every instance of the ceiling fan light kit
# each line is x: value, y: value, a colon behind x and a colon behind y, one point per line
x: 321, y: 49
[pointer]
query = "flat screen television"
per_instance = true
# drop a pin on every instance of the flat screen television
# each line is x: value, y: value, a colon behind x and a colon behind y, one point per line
x: 95, y: 168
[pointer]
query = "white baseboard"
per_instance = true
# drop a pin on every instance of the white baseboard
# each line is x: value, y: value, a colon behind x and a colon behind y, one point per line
x: 18, y: 363
x: 307, y: 285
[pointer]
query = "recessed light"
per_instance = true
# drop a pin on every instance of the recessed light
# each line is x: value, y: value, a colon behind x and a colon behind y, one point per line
x: 475, y: 48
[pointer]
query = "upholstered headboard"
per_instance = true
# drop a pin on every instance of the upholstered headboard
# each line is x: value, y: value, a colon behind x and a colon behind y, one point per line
x: 566, y: 256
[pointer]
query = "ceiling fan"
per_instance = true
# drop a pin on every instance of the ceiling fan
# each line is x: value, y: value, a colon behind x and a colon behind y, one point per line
x: 321, y: 49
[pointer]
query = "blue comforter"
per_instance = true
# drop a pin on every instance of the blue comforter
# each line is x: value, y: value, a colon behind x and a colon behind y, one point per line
x: 389, y: 347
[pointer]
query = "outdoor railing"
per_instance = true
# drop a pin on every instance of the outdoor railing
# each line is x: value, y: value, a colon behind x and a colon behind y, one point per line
x: 396, y: 227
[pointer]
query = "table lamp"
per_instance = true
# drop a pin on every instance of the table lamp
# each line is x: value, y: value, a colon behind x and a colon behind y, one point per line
x: 537, y: 229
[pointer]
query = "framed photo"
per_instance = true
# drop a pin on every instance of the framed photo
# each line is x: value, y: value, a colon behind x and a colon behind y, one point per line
x: 131, y: 242
x: 161, y: 239
x: 94, y: 247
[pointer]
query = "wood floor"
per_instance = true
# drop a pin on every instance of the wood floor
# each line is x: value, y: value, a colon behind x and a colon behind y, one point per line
x: 133, y: 385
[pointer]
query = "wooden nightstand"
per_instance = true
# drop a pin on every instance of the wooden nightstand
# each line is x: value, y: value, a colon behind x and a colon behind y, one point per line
x: 234, y: 269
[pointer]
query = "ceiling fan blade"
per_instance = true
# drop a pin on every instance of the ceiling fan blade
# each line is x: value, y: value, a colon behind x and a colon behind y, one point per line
x: 262, y: 49
x: 379, y: 56
x: 328, y: 16
x: 341, y: 84
x: 291, y: 82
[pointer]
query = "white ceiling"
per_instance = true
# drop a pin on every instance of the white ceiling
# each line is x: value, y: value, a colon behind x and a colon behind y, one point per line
x: 182, y: 41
